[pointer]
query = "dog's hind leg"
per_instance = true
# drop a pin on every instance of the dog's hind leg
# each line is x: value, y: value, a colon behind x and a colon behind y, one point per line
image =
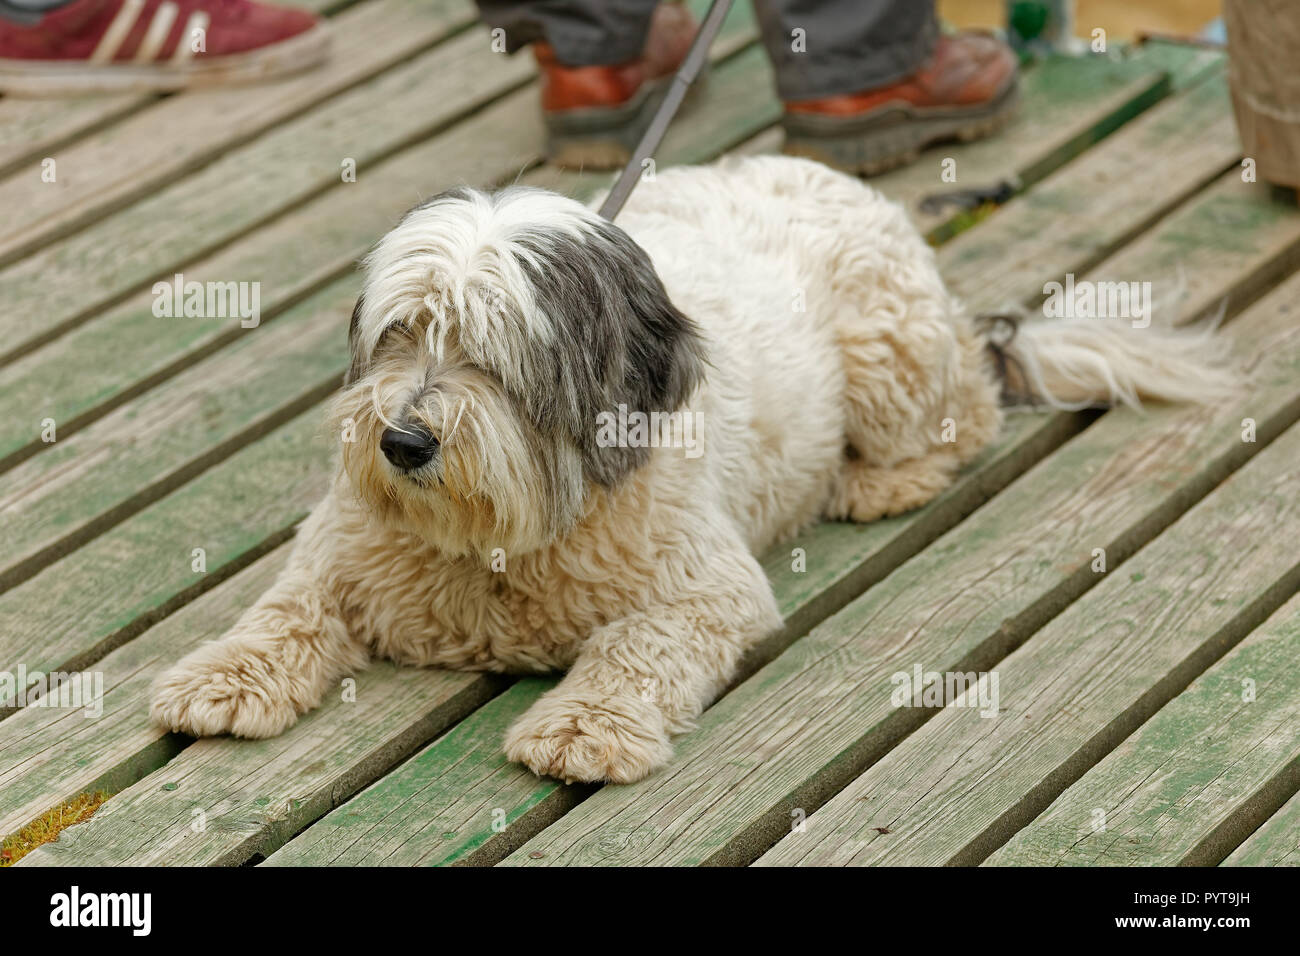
x: 865, y: 492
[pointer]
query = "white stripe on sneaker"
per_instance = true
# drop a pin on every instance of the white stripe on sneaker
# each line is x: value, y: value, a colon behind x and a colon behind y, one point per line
x: 197, y: 22
x: 159, y: 27
x: 112, y: 39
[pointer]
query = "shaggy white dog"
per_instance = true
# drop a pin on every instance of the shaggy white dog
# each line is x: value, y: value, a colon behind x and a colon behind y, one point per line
x: 562, y: 448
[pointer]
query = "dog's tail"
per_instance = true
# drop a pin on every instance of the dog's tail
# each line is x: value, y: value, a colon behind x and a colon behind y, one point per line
x: 1079, y: 363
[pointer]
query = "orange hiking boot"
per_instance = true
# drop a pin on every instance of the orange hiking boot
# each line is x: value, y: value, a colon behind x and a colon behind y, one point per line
x: 116, y: 46
x: 967, y: 89
x: 596, y: 114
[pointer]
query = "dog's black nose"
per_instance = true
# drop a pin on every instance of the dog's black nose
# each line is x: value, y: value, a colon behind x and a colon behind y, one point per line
x: 408, y: 449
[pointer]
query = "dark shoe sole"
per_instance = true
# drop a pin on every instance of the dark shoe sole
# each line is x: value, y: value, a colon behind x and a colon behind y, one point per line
x: 891, y: 137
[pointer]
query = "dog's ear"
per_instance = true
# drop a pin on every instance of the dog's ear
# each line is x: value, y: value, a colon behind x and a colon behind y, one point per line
x: 618, y: 340
x: 357, y: 362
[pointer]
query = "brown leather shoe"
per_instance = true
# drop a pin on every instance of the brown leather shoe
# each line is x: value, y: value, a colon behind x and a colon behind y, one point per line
x: 967, y: 89
x: 595, y: 114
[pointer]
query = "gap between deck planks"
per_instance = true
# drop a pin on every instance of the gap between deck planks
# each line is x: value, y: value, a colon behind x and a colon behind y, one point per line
x: 1220, y: 758
x: 801, y: 729
x: 1276, y: 843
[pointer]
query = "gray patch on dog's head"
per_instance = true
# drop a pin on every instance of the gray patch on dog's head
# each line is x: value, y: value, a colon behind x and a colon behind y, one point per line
x: 357, y: 363
x: 618, y: 340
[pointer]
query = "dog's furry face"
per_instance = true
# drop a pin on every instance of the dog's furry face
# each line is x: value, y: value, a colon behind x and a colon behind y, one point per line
x: 491, y: 332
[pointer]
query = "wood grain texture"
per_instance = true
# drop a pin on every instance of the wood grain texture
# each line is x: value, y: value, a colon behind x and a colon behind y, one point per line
x: 112, y: 588
x: 36, y: 128
x: 1223, y: 755
x: 49, y: 755
x: 1085, y: 211
x: 962, y: 784
x: 114, y: 166
x: 223, y: 801
x: 1276, y: 843
x: 807, y: 724
x: 85, y: 484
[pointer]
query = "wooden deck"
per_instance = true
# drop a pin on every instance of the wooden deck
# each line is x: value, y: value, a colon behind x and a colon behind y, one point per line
x: 1148, y: 712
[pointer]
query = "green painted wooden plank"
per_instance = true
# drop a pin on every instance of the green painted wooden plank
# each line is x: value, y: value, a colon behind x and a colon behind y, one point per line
x: 1096, y: 204
x: 1222, y: 756
x: 804, y: 726
x: 223, y: 801
x: 113, y: 167
x: 963, y: 783
x: 113, y: 587
x: 89, y: 482
x: 50, y: 755
x: 37, y: 128
x: 1276, y: 843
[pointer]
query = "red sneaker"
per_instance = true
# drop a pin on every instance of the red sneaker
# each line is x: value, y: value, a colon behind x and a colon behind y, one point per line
x: 116, y: 46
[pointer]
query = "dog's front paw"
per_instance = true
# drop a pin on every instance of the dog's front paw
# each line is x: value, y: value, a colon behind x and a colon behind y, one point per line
x: 224, y: 688
x: 590, y: 738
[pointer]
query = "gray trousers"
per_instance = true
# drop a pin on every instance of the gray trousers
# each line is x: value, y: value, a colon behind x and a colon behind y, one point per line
x: 818, y: 47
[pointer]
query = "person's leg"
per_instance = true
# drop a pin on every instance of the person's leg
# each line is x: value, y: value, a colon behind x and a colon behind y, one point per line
x: 826, y: 47
x: 581, y: 32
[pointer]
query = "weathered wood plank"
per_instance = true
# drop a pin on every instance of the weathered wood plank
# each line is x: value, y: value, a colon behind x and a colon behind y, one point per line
x: 35, y: 128
x: 49, y: 755
x: 110, y: 168
x: 223, y: 801
x: 807, y: 724
x: 1184, y: 259
x: 1088, y: 209
x: 1216, y: 761
x: 113, y: 587
x: 962, y: 784
x: 1276, y: 843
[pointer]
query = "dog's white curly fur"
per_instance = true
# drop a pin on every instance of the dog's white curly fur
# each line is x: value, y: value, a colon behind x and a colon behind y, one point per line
x: 834, y: 355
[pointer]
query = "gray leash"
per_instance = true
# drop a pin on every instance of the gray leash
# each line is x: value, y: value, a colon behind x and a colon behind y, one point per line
x: 654, y: 133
